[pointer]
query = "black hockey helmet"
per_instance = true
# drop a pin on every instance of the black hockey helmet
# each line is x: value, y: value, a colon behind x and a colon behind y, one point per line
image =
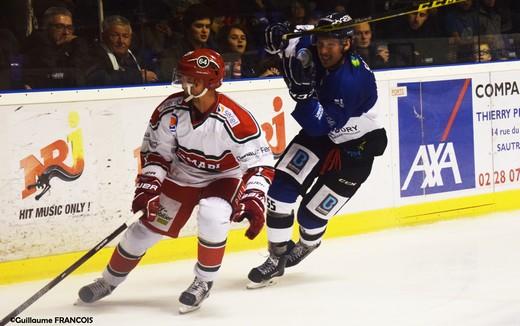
x: 334, y: 19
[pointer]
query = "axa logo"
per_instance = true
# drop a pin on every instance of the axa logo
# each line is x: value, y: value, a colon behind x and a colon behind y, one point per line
x: 436, y: 145
x: 429, y: 163
x: 52, y: 162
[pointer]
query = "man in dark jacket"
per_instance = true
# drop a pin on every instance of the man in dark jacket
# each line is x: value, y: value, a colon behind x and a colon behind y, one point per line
x: 113, y: 63
x: 55, y: 57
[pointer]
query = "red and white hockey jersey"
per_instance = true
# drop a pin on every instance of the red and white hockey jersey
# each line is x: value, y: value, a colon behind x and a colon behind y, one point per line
x: 226, y: 142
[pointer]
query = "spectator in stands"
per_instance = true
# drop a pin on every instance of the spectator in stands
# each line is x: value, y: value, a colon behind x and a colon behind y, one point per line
x: 113, y: 63
x: 484, y: 50
x: 465, y: 21
x: 490, y: 23
x: 461, y: 21
x: 489, y: 19
x: 196, y: 24
x: 421, y: 24
x: 415, y: 39
x: 376, y: 56
x: 217, y: 23
x: 255, y: 16
x: 155, y: 33
x: 240, y: 62
x: 55, y: 57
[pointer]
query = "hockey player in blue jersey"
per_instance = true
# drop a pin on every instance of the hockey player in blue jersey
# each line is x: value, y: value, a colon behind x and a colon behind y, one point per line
x: 331, y: 157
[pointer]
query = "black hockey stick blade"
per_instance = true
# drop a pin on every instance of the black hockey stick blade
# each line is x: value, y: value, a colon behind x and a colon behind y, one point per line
x: 384, y: 16
x: 68, y: 271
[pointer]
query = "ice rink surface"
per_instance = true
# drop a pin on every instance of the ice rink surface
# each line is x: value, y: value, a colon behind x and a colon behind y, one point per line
x: 464, y: 272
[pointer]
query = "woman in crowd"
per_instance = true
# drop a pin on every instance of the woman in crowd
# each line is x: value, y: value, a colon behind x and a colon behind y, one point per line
x: 241, y: 62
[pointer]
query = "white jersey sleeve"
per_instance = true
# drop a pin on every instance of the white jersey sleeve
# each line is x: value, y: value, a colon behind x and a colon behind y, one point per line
x: 159, y: 141
x: 248, y: 142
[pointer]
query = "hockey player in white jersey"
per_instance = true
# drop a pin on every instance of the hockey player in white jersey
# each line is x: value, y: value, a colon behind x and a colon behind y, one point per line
x: 200, y: 148
x: 332, y: 156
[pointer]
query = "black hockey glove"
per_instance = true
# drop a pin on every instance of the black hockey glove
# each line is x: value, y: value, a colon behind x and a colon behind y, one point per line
x: 273, y: 37
x: 299, y: 74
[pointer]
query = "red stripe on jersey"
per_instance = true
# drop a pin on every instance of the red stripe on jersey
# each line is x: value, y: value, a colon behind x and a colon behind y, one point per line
x: 224, y: 163
x: 154, y: 158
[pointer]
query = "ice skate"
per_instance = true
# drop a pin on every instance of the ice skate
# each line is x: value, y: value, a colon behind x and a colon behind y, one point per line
x: 298, y: 253
x: 194, y: 295
x: 263, y: 275
x: 95, y: 291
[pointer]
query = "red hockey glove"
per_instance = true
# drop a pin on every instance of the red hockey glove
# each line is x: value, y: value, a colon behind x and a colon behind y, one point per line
x: 252, y: 207
x: 147, y: 196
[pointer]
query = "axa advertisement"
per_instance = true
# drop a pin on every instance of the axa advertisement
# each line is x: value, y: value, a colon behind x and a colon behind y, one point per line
x: 458, y: 135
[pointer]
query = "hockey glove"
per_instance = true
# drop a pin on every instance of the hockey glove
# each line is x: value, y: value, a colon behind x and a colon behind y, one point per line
x: 299, y: 73
x: 252, y: 207
x: 273, y: 37
x: 147, y: 196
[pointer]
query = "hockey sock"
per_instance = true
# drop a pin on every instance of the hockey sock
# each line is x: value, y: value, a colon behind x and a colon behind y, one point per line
x: 311, y: 237
x: 209, y: 259
x: 120, y: 265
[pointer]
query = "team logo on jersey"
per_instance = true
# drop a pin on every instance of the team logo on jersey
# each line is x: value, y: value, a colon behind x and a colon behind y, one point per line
x: 327, y: 204
x: 38, y: 175
x: 298, y: 161
x: 355, y: 61
x: 436, y: 137
x: 173, y: 122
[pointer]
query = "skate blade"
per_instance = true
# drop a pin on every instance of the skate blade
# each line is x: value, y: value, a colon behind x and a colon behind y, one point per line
x: 254, y: 285
x: 184, y: 309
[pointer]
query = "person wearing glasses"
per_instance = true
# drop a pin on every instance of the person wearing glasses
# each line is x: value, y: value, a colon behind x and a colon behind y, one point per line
x: 55, y: 56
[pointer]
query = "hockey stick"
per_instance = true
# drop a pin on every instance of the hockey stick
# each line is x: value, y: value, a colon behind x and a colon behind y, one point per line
x: 68, y: 271
x: 337, y: 26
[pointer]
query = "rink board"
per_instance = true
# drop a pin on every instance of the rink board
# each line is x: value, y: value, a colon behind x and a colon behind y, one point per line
x: 454, y: 151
